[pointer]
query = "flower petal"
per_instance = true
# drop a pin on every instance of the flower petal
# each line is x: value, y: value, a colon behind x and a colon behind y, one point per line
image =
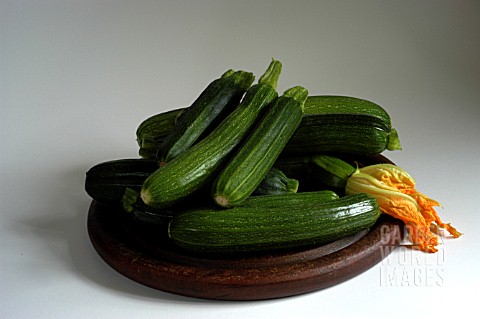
x: 395, y: 192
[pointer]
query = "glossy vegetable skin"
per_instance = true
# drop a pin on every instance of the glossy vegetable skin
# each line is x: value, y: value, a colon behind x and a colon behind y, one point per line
x: 108, y: 180
x: 219, y: 98
x: 262, y: 228
x: 338, y: 124
x: 152, y: 132
x: 243, y: 174
x: 332, y: 124
x: 276, y: 183
x: 198, y: 165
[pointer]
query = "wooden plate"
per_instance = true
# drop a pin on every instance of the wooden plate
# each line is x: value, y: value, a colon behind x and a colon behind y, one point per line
x: 144, y: 254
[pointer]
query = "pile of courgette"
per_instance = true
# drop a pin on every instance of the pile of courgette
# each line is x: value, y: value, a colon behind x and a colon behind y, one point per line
x: 232, y: 173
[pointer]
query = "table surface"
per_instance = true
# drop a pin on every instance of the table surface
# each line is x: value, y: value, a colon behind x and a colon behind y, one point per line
x: 79, y: 76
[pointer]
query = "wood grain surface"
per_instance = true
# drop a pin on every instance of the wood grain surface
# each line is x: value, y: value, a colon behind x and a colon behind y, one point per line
x: 144, y: 254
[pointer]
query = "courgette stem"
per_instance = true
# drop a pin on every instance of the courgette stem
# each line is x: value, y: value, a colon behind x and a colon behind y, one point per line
x: 272, y: 74
x: 299, y: 94
x: 394, y: 141
x: 129, y: 198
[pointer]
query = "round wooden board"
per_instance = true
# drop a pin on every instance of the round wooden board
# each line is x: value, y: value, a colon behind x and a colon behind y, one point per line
x: 144, y: 254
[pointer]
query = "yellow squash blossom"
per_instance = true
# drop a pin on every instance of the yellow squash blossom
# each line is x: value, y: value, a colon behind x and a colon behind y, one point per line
x: 395, y: 192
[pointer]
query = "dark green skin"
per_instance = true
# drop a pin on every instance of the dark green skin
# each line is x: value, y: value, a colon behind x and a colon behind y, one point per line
x: 341, y: 124
x: 198, y: 165
x: 261, y: 228
x: 219, y: 98
x: 276, y: 183
x: 244, y: 173
x: 339, y: 133
x: 195, y: 167
x: 290, y: 199
x: 332, y: 171
x: 107, y: 181
x: 155, y: 128
x: 334, y: 104
x: 152, y: 215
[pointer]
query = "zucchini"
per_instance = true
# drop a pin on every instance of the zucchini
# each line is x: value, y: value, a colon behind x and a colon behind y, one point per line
x: 214, y: 103
x: 245, y: 171
x: 107, y: 181
x: 332, y: 124
x: 276, y: 183
x: 294, y: 166
x: 152, y: 131
x: 198, y: 165
x: 132, y: 204
x: 344, y: 125
x: 289, y: 199
x: 154, y: 215
x: 322, y: 171
x: 255, y: 229
x: 331, y: 170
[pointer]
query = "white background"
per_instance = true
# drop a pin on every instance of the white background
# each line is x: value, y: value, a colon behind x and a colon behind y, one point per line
x: 77, y: 77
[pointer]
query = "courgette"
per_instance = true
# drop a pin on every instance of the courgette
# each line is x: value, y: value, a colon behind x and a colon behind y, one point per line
x: 290, y: 199
x: 216, y: 101
x: 294, y: 166
x: 332, y: 171
x: 344, y: 125
x: 276, y: 183
x: 254, y: 229
x: 108, y: 180
x: 251, y: 163
x: 331, y: 124
x: 152, y: 131
x: 140, y: 211
x: 155, y: 215
x: 323, y: 171
x: 198, y: 165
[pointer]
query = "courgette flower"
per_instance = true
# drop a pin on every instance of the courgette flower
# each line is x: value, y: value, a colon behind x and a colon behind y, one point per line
x: 395, y: 192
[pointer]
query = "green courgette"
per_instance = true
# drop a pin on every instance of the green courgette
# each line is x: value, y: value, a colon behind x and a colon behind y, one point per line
x: 290, y: 199
x: 216, y: 101
x: 140, y: 211
x: 251, y: 163
x: 276, y: 183
x: 332, y: 171
x: 155, y: 215
x: 343, y: 125
x: 320, y: 171
x: 254, y: 229
x: 107, y: 181
x: 199, y: 164
x: 152, y: 131
x: 330, y: 124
